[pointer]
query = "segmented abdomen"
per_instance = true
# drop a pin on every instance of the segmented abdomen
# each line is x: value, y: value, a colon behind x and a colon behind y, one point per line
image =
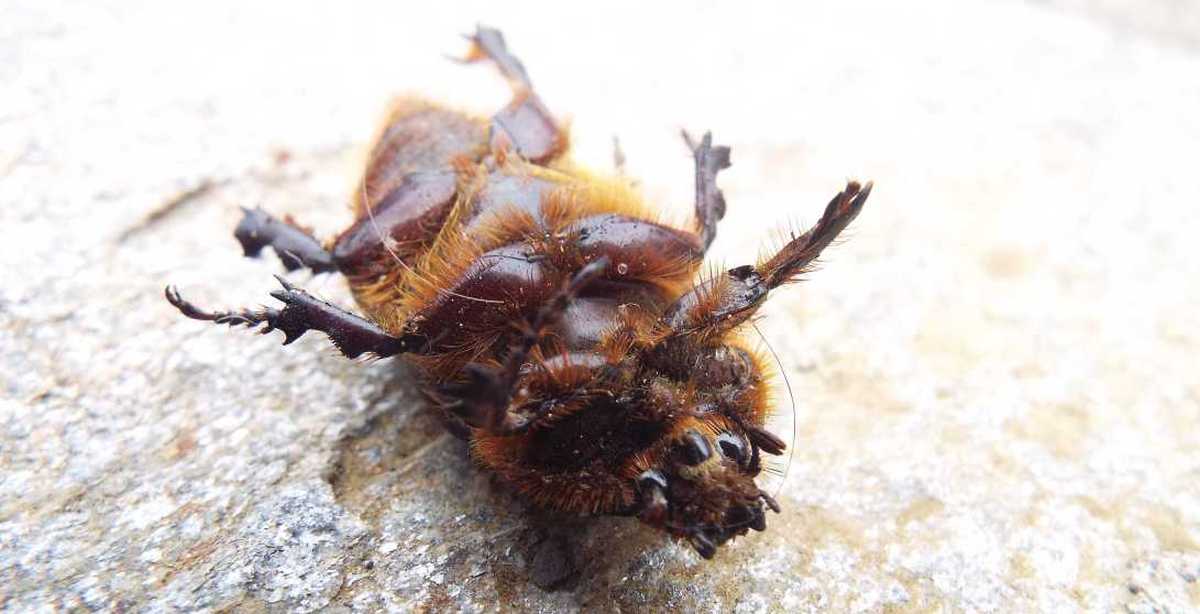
x: 459, y: 246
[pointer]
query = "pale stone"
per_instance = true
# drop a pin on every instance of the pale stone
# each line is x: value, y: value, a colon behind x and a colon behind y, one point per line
x: 995, y: 376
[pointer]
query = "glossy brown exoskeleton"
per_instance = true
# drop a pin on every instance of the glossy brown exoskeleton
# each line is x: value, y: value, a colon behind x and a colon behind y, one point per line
x: 560, y: 329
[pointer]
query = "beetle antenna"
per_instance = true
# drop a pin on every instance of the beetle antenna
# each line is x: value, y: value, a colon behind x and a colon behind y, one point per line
x: 385, y: 241
x: 791, y: 397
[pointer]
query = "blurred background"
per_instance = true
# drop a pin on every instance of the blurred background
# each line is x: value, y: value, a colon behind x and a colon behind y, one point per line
x: 995, y: 375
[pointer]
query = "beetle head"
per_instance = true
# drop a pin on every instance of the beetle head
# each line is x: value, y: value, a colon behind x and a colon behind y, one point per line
x: 702, y: 486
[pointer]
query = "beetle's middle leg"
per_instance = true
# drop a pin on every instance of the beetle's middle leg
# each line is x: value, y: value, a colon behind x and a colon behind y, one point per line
x: 484, y: 400
x: 525, y: 122
x: 295, y: 246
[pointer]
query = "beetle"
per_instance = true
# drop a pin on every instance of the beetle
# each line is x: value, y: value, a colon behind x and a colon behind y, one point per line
x: 563, y: 332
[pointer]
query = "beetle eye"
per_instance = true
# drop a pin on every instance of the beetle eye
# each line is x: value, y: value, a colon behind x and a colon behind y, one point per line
x: 650, y: 479
x: 732, y: 448
x: 695, y: 448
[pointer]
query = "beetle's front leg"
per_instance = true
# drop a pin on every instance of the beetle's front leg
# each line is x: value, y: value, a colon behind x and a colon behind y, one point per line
x: 725, y: 301
x: 525, y: 122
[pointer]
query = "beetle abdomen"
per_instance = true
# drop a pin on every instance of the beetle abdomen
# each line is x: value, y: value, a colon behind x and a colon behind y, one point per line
x: 461, y: 242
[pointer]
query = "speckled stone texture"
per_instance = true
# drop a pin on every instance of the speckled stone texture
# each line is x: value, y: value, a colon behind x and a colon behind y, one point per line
x: 996, y: 376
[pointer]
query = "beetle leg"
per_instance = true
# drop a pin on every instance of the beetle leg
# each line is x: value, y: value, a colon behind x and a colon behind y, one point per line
x: 488, y: 43
x: 352, y: 335
x: 295, y: 247
x: 525, y: 122
x: 794, y: 258
x: 725, y: 301
x: 618, y: 155
x: 710, y: 202
x: 484, y: 400
x: 638, y: 250
x: 398, y: 227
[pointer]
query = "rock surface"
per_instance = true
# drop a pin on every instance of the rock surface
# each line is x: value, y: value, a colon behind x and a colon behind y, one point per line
x: 995, y: 378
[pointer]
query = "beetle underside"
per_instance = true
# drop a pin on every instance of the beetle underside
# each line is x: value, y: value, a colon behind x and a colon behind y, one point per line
x: 561, y: 329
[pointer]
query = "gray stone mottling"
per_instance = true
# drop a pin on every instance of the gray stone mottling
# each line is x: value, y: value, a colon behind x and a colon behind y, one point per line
x: 995, y: 376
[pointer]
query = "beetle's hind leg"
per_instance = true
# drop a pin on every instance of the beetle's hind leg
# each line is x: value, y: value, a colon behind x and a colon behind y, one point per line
x: 710, y: 202
x: 295, y: 246
x: 525, y: 122
x: 352, y: 335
